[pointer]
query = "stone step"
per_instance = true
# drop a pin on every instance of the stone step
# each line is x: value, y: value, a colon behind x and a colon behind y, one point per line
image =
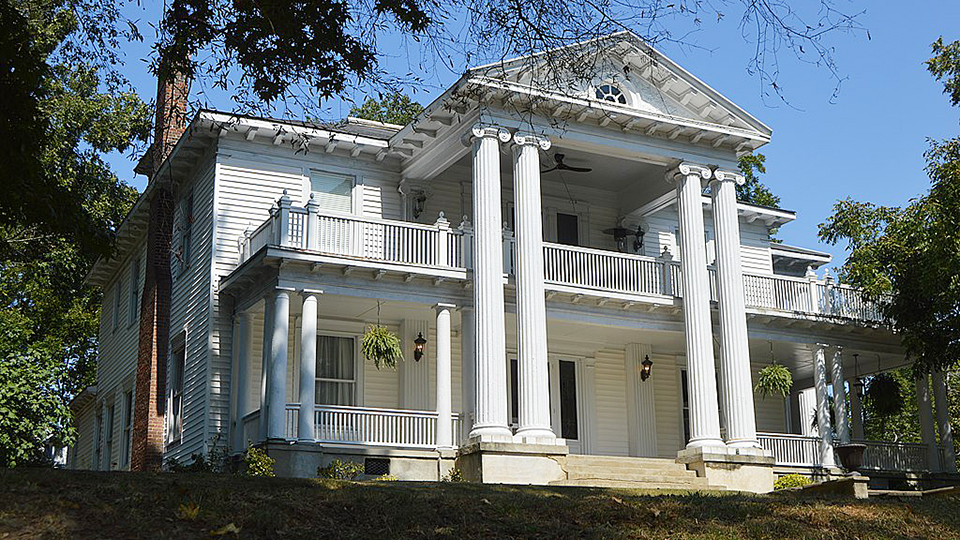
x: 691, y: 478
x: 678, y: 486
x: 623, y: 468
x: 624, y: 463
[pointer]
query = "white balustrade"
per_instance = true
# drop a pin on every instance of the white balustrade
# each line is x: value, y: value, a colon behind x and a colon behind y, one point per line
x: 379, y: 427
x: 601, y: 270
x: 792, y: 450
x: 777, y: 292
x: 250, y: 425
x: 291, y: 420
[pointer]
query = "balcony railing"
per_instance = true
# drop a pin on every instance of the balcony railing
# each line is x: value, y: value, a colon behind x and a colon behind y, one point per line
x: 371, y: 426
x: 439, y: 246
x: 803, y: 451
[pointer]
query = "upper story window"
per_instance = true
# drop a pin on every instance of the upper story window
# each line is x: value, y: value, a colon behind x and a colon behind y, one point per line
x: 134, y: 298
x: 609, y: 92
x: 334, y: 192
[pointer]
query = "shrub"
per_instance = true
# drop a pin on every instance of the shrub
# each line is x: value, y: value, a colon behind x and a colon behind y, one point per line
x: 454, y: 475
x: 381, y: 346
x: 341, y: 470
x: 386, y: 478
x: 774, y: 380
x: 791, y: 481
x: 257, y: 462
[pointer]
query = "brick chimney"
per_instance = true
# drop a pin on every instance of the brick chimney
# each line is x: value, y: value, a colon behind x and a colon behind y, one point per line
x: 154, y: 339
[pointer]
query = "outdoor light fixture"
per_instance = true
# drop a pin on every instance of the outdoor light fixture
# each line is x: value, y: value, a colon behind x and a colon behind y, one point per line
x: 858, y: 382
x: 638, y: 241
x: 418, y: 203
x: 619, y: 236
x: 646, y: 369
x: 418, y: 349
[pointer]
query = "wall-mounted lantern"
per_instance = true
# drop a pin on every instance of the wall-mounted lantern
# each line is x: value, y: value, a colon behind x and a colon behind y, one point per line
x: 418, y: 346
x: 638, y: 241
x: 619, y: 236
x: 418, y: 203
x: 647, y: 367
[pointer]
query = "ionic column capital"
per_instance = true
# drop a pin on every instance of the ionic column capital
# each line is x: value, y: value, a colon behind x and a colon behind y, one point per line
x: 720, y: 175
x: 686, y: 169
x: 531, y: 139
x: 483, y: 131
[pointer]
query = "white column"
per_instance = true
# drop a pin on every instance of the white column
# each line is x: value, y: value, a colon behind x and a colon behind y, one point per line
x: 698, y: 327
x: 943, y: 421
x: 468, y: 324
x: 735, y: 381
x: 490, y: 349
x: 243, y: 343
x: 928, y: 435
x: 308, y: 365
x: 277, y: 378
x: 265, y: 366
x: 856, y: 410
x: 840, y: 398
x: 823, y: 406
x: 444, y: 401
x: 534, y: 387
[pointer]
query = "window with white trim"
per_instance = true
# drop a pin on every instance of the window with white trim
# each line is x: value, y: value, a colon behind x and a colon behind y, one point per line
x: 116, y: 303
x: 127, y: 429
x: 108, y: 462
x: 336, y: 371
x: 333, y: 192
x: 178, y: 362
x: 134, y: 296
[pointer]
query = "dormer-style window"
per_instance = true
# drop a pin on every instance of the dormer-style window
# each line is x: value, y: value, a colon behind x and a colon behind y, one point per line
x: 609, y: 92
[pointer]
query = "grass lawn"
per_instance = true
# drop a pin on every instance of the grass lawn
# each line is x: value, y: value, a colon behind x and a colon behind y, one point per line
x: 71, y: 504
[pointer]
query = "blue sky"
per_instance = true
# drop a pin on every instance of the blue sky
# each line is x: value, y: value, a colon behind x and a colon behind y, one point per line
x: 867, y: 142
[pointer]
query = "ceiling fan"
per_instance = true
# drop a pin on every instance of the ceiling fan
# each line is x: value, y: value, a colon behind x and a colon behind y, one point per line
x: 561, y: 166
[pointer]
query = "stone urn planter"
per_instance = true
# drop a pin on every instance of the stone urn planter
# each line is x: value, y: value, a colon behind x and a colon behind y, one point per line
x: 851, y: 455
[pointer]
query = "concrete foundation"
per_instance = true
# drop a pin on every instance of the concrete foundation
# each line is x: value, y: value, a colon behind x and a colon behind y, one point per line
x: 301, y: 460
x: 740, y: 469
x: 492, y: 462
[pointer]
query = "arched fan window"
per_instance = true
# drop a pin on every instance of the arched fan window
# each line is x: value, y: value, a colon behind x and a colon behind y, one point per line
x: 609, y: 92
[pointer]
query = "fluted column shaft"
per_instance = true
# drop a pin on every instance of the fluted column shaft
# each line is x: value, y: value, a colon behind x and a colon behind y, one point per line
x: 468, y: 365
x: 840, y: 398
x: 444, y: 401
x: 277, y: 378
x: 308, y: 366
x: 243, y: 341
x: 928, y: 434
x: 490, y: 348
x: 823, y: 406
x: 265, y: 366
x: 698, y: 328
x: 943, y: 421
x: 534, y: 387
x: 734, y: 348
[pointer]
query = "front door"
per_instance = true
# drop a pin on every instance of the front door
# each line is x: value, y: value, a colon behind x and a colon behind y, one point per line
x: 565, y: 401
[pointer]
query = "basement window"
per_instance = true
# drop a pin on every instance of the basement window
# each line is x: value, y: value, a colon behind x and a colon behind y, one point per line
x: 376, y: 466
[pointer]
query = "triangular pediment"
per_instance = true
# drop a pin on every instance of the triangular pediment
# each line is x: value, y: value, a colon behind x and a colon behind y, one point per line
x: 622, y: 72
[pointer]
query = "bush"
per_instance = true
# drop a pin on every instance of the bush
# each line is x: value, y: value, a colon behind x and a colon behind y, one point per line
x: 340, y: 470
x: 791, y: 481
x: 386, y: 478
x: 455, y: 475
x: 257, y: 462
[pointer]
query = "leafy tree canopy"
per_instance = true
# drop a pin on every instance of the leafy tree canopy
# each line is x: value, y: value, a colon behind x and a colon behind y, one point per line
x: 74, y: 113
x: 753, y: 191
x: 395, y: 108
x: 908, y: 257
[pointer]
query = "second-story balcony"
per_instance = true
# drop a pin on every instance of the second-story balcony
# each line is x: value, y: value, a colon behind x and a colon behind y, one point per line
x: 444, y: 251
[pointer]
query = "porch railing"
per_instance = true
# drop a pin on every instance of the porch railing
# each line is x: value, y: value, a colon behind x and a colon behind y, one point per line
x: 250, y: 424
x: 602, y: 270
x: 804, y: 451
x: 367, y: 426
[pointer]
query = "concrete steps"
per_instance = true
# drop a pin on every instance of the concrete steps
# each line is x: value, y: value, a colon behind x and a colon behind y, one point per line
x: 632, y: 472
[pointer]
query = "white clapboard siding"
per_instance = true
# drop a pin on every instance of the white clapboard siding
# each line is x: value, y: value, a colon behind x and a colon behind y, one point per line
x: 190, y: 310
x: 755, y: 248
x: 610, y: 404
x: 666, y: 380
x: 81, y: 453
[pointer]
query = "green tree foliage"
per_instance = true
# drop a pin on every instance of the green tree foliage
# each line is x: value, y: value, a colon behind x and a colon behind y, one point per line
x: 908, y: 257
x: 48, y: 318
x: 395, y: 108
x: 754, y: 191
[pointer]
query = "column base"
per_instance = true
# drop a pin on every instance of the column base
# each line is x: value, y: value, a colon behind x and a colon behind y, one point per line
x: 743, y: 443
x: 490, y: 433
x: 535, y: 435
x: 742, y: 469
x: 714, y: 444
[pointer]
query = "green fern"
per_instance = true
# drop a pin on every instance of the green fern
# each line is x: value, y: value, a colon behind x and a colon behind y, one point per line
x: 774, y: 380
x: 381, y: 346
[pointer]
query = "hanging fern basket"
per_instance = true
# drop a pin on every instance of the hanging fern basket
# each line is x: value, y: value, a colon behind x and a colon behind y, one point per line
x: 381, y: 346
x: 883, y: 395
x: 774, y: 380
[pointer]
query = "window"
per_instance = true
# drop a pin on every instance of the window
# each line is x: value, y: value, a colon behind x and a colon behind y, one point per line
x: 514, y: 392
x: 98, y: 433
x: 686, y: 406
x: 127, y: 428
x: 336, y: 371
x: 569, y: 427
x: 333, y: 192
x: 186, y: 231
x: 116, y: 304
x: 177, y: 366
x: 609, y: 92
x: 108, y: 454
x: 134, y: 296
x: 568, y: 229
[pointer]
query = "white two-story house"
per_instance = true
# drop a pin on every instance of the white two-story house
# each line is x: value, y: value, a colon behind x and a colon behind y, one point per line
x: 590, y: 302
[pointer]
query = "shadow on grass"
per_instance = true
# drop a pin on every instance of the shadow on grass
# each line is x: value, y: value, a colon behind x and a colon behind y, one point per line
x: 69, y: 504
